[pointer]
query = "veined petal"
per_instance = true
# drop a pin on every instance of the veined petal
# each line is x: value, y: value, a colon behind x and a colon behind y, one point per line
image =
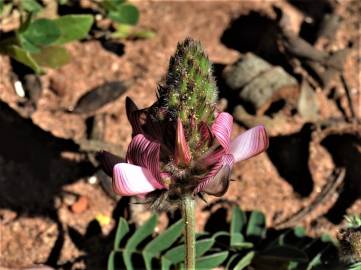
x: 216, y: 182
x: 145, y: 153
x: 222, y: 128
x: 205, y: 132
x: 250, y: 143
x: 182, y: 152
x: 107, y: 161
x: 129, y: 180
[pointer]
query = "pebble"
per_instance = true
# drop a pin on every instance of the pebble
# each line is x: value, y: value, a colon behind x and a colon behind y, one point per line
x: 80, y: 205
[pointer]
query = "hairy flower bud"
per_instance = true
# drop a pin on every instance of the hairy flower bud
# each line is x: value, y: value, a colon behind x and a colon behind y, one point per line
x: 190, y: 91
x: 350, y: 241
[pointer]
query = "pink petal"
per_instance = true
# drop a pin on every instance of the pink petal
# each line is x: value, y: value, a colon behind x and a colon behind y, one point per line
x: 182, y: 152
x: 129, y: 180
x: 145, y: 153
x: 205, y: 132
x: 222, y: 128
x: 211, y: 158
x: 217, y: 180
x: 250, y: 143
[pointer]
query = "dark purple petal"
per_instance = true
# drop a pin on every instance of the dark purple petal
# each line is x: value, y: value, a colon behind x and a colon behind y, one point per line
x: 107, y: 161
x: 250, y: 143
x: 217, y: 180
x: 134, y: 116
x: 206, y: 134
x: 182, y: 152
x: 222, y: 128
x: 145, y: 153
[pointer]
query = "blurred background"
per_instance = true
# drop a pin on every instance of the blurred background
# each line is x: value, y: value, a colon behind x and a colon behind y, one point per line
x: 66, y: 67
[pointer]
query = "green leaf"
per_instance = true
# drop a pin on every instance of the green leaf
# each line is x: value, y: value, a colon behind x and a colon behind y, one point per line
x: 62, y: 2
x: 111, y: 261
x: 162, y: 242
x: 176, y: 255
x: 355, y: 266
x: 256, y: 225
x: 245, y: 261
x: 314, y: 262
x: 128, y: 31
x: 1, y: 6
x: 41, y: 32
x: 28, y: 46
x: 31, y: 6
x: 73, y: 27
x: 211, y: 261
x: 24, y: 25
x: 299, y: 231
x: 122, y: 230
x: 239, y: 220
x: 231, y: 260
x: 143, y: 34
x: 122, y: 31
x: 111, y: 4
x: 22, y: 56
x: 327, y: 238
x: 53, y: 57
x: 125, y: 13
x: 140, y: 234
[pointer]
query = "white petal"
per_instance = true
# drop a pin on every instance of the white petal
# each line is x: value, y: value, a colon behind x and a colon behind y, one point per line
x: 129, y: 180
x: 250, y: 143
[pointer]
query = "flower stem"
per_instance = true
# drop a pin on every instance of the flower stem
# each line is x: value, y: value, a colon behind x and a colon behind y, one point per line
x: 188, y: 205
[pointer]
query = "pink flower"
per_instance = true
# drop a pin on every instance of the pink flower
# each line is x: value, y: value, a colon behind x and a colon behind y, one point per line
x: 159, y: 156
x: 181, y: 145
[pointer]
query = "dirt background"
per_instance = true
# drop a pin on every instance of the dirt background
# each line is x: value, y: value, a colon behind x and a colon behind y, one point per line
x: 53, y: 209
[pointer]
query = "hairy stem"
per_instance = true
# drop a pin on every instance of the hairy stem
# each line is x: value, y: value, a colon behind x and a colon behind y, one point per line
x: 188, y: 205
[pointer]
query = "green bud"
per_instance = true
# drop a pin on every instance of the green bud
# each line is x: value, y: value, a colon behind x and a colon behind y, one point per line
x: 190, y: 89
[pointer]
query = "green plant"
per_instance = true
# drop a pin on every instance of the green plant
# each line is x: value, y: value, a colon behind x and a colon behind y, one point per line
x: 247, y: 245
x: 265, y: 249
x: 164, y: 251
x: 126, y: 16
x: 38, y: 42
x: 350, y: 242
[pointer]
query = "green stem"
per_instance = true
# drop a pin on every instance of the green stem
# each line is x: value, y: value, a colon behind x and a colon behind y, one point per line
x: 188, y: 205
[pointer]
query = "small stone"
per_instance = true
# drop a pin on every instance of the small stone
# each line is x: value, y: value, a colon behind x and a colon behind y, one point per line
x: 93, y: 180
x: 80, y: 205
x: 69, y: 198
x: 19, y: 89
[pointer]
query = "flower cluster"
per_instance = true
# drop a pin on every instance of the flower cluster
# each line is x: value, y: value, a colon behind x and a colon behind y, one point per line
x: 181, y: 144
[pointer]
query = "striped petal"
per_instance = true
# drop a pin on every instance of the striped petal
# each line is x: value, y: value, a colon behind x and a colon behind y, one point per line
x: 129, y: 180
x: 145, y: 153
x: 250, y: 143
x: 222, y: 128
x: 216, y: 181
x: 182, y: 152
